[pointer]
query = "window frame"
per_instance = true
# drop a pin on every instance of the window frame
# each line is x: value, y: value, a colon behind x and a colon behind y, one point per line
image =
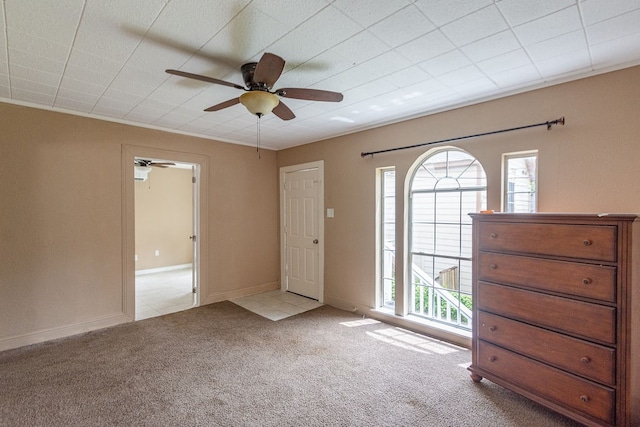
x: 409, y: 248
x: 505, y: 193
x: 380, y: 235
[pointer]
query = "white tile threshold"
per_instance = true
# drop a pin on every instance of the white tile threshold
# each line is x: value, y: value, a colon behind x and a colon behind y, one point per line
x: 276, y: 305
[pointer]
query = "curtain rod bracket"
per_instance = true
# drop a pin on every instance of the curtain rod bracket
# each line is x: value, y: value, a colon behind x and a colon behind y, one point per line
x: 548, y: 124
x: 559, y: 121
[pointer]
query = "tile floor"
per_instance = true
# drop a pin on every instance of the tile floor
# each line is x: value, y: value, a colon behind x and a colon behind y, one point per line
x: 170, y: 291
x: 276, y: 305
x: 163, y: 293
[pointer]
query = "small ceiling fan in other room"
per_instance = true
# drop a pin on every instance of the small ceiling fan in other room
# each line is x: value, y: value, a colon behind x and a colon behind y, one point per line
x: 143, y: 167
x: 151, y: 163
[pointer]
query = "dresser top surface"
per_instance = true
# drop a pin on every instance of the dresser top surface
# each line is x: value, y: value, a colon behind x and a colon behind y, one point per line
x: 553, y: 216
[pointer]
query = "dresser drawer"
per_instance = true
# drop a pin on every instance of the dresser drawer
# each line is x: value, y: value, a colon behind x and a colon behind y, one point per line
x: 575, y: 241
x: 586, y: 280
x: 553, y: 384
x: 592, y: 321
x: 581, y: 357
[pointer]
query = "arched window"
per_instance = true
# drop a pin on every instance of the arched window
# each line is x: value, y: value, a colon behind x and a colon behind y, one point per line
x: 446, y: 186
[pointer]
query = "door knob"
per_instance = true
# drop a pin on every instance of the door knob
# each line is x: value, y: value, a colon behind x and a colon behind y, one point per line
x: 315, y: 241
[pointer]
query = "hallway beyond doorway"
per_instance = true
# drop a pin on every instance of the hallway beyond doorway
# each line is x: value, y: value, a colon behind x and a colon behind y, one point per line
x: 163, y: 293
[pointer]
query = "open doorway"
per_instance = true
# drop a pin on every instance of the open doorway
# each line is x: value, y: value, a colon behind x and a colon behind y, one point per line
x: 200, y: 164
x: 165, y: 249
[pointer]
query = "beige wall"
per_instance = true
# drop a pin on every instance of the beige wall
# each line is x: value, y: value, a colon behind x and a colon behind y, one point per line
x: 61, y: 209
x: 164, y: 218
x: 588, y: 165
x: 61, y: 220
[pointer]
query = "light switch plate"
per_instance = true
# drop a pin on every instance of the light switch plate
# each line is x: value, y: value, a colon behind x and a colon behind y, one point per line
x: 330, y: 213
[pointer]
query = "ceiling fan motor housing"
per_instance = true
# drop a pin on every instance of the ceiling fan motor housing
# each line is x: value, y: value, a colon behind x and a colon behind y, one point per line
x: 248, y: 70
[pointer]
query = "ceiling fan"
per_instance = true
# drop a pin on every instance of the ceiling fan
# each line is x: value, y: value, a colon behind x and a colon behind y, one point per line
x: 150, y: 163
x: 143, y: 167
x: 259, y: 98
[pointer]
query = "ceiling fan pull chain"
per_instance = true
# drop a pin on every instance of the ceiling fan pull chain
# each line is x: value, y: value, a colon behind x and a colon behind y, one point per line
x: 258, y: 138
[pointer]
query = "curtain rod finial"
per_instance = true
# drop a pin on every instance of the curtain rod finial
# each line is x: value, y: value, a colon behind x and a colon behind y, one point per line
x: 559, y: 121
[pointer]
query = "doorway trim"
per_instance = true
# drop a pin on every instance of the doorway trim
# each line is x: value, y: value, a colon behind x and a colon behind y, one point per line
x: 129, y: 153
x: 283, y: 258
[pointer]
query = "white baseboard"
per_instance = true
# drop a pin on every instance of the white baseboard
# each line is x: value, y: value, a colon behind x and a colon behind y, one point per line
x: 62, y: 331
x: 223, y: 296
x: 163, y: 269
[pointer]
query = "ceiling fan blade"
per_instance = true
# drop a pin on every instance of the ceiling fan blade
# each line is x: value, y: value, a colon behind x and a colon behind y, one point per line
x: 224, y: 104
x: 182, y: 47
x: 310, y: 94
x: 203, y: 78
x: 283, y: 112
x: 162, y: 164
x: 268, y: 69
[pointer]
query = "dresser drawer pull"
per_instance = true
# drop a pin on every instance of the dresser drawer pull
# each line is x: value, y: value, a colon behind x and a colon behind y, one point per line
x: 587, y: 281
x: 492, y: 328
x: 585, y: 359
x: 585, y: 398
x: 586, y: 242
x: 493, y: 266
x: 493, y: 235
x: 493, y: 359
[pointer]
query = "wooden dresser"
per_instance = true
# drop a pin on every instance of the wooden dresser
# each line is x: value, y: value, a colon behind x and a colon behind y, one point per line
x: 556, y: 314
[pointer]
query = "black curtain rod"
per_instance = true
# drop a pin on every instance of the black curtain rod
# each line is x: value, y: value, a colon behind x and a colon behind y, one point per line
x: 548, y: 124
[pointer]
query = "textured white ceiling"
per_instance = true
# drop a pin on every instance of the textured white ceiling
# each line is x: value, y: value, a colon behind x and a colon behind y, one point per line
x: 392, y: 59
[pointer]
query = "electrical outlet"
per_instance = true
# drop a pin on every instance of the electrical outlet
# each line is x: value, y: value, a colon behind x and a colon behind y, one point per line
x: 157, y: 252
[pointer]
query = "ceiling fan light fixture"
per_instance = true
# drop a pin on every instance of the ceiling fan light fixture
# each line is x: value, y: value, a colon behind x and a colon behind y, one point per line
x: 141, y: 173
x: 259, y: 102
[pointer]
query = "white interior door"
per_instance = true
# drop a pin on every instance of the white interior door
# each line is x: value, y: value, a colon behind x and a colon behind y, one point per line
x: 302, y: 232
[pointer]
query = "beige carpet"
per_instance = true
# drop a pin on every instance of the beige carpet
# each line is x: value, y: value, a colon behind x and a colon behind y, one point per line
x: 221, y: 365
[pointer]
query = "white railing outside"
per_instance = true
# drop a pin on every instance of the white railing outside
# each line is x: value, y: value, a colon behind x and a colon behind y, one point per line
x: 439, y: 298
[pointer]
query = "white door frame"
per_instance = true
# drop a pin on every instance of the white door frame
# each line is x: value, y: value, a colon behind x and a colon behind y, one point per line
x: 129, y: 153
x: 283, y: 258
